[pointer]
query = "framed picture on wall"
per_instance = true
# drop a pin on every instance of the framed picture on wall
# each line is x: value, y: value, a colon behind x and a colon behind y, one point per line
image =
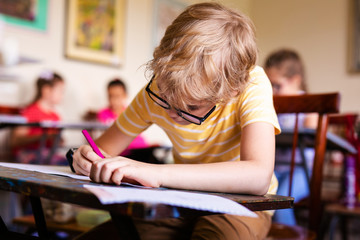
x: 25, y: 13
x: 95, y: 31
x: 355, y: 50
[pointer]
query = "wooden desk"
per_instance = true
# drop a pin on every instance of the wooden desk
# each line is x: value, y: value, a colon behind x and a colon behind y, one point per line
x: 65, y: 189
x: 8, y: 120
x: 11, y: 121
x: 307, y: 139
x: 61, y: 126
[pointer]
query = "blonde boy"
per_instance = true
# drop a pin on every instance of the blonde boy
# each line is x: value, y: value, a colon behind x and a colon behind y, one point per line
x: 216, y: 107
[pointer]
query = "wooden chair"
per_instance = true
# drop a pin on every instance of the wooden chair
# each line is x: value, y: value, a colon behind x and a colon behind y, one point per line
x: 323, y: 104
x: 342, y: 210
x: 9, y: 110
x: 5, y: 153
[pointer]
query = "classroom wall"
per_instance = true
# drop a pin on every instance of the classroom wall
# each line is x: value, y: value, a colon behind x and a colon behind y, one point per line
x: 85, y: 82
x: 319, y: 31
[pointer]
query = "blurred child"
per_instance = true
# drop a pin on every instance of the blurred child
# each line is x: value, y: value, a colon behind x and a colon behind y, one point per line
x: 287, y: 75
x: 117, y: 96
x: 26, y: 141
x: 215, y: 104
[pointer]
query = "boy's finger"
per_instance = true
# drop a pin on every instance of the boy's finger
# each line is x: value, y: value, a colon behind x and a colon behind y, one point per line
x: 88, y: 153
x: 82, y: 169
x: 117, y: 176
x: 95, y: 171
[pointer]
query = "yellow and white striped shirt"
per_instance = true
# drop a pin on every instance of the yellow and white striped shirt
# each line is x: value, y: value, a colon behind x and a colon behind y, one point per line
x: 218, y: 138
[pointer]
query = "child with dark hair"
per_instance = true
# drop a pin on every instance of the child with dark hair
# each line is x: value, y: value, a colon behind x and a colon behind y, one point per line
x: 25, y: 141
x: 117, y: 97
x: 286, y: 72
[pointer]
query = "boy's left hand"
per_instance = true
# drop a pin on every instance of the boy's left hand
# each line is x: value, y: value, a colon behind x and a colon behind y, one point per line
x: 120, y: 169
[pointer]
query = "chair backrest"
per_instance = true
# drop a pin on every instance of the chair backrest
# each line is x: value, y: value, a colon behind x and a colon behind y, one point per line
x: 344, y: 125
x: 322, y: 104
x: 9, y: 110
x: 5, y: 153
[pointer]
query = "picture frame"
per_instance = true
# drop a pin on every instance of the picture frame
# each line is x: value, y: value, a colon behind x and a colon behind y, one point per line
x: 95, y: 31
x: 355, y: 41
x: 25, y: 13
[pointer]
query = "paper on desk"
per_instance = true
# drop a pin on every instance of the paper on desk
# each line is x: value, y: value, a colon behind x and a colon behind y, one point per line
x: 116, y: 194
x: 49, y: 169
x: 55, y: 170
x: 198, y: 201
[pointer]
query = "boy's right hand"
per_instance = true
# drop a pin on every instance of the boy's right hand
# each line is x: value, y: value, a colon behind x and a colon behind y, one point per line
x: 83, y: 159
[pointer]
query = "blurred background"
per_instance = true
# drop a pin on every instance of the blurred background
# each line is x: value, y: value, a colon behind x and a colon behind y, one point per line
x: 322, y: 31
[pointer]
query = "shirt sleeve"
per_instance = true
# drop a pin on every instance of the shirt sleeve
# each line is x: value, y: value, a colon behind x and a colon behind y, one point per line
x: 256, y: 102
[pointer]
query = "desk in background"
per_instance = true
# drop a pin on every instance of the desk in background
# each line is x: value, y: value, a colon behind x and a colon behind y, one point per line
x: 307, y: 139
x: 11, y: 121
x: 65, y: 189
x: 8, y: 120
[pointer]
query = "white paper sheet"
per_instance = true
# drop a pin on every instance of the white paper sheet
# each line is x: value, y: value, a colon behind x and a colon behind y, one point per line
x: 198, y: 201
x: 49, y: 169
x: 55, y: 170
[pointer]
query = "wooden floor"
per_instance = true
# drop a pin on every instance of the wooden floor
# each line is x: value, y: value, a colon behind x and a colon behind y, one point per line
x: 353, y: 231
x: 74, y: 229
x: 70, y: 229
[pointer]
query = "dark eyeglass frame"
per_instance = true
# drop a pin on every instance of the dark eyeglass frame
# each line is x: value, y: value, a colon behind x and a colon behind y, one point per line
x: 181, y: 113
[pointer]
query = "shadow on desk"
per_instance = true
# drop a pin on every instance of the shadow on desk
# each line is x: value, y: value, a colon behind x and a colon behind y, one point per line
x: 153, y: 154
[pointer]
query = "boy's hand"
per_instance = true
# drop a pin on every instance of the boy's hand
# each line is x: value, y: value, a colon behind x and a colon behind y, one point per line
x: 120, y: 169
x: 83, y: 159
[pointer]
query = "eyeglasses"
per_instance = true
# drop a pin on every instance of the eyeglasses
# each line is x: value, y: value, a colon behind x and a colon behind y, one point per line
x: 185, y: 115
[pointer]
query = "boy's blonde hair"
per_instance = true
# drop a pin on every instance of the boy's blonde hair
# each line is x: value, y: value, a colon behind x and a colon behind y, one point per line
x: 205, y: 55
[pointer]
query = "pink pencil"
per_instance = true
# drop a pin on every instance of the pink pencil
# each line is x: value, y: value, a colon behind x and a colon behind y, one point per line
x: 92, y: 143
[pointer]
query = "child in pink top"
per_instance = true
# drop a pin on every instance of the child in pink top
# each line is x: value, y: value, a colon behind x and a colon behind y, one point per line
x: 117, y: 96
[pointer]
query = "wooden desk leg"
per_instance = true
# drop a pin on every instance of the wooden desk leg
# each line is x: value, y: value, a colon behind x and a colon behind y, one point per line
x: 6, y: 234
x: 39, y: 218
x: 303, y: 160
x: 41, y: 148
x: 126, y: 226
x: 54, y: 147
x: 3, y: 228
